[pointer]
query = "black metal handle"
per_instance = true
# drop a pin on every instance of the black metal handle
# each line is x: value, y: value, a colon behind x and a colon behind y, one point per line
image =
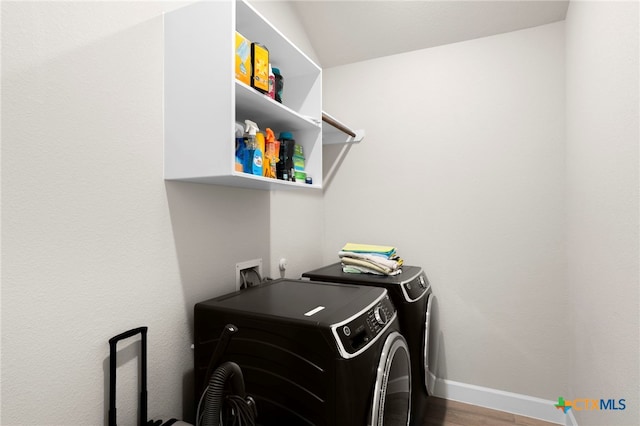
x: 113, y: 342
x: 130, y: 333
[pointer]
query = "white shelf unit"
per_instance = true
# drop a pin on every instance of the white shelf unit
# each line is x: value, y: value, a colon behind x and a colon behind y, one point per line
x: 203, y: 100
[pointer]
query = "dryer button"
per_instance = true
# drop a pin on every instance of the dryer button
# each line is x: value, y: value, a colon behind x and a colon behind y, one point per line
x: 346, y: 330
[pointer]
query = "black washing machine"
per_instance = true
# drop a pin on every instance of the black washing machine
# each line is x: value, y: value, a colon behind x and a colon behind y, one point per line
x: 411, y: 293
x: 312, y: 353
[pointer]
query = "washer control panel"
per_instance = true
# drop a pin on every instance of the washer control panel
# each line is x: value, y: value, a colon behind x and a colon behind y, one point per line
x: 357, y: 333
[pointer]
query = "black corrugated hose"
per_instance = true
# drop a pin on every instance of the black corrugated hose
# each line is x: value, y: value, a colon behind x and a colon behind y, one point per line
x: 239, y: 409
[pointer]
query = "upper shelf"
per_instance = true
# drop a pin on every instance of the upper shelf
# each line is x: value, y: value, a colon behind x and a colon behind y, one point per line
x: 336, y: 132
x: 262, y: 109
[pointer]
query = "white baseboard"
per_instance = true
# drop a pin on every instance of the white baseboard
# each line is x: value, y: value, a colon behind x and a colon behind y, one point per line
x: 509, y: 402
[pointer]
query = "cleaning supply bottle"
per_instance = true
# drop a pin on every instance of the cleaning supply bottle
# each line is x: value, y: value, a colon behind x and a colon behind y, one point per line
x: 259, y: 169
x: 279, y: 84
x: 285, y: 165
x: 240, y: 148
x: 253, y: 158
x: 271, y: 155
x: 272, y: 83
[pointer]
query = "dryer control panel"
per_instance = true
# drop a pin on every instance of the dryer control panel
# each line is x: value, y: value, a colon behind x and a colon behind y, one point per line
x: 356, y: 334
x: 415, y: 288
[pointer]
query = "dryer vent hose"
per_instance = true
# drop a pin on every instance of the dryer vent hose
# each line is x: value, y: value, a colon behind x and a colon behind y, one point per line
x: 244, y: 408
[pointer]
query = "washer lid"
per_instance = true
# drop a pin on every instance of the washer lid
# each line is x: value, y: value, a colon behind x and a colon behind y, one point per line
x: 307, y: 301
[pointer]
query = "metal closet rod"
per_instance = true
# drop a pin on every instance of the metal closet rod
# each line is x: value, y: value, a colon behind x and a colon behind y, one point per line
x: 338, y: 125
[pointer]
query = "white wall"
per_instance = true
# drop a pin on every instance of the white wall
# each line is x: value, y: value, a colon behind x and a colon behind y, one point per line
x: 94, y: 241
x: 296, y: 227
x: 602, y: 201
x: 462, y: 169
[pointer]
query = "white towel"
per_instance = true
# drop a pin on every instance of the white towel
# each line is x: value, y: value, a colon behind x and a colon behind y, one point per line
x: 353, y: 269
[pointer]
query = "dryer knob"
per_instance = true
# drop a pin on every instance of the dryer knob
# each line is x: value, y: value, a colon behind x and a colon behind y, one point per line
x: 422, y: 283
x: 381, y: 315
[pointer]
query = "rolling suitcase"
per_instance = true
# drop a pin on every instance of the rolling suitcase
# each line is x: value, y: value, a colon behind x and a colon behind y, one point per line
x: 113, y: 342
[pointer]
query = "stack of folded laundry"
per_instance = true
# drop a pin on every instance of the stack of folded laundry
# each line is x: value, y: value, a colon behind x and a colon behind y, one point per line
x: 370, y: 259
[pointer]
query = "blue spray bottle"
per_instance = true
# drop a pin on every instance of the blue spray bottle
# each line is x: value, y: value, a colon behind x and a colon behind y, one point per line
x: 253, y: 154
x: 240, y: 147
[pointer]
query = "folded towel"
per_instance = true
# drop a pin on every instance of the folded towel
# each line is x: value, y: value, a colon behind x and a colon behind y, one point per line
x: 370, y: 259
x: 387, y: 251
x: 392, y: 264
x: 353, y: 269
x: 366, y: 264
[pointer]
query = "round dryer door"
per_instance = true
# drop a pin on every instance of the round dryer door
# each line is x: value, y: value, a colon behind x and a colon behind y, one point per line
x: 392, y: 392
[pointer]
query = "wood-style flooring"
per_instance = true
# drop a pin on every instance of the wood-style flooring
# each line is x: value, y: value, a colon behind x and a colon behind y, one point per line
x: 443, y: 412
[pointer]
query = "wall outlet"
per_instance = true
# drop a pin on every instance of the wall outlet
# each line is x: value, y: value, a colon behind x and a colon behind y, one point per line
x: 248, y: 273
x: 283, y: 264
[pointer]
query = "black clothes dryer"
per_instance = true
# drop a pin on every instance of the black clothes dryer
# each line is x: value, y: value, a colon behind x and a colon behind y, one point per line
x: 411, y: 293
x: 312, y: 353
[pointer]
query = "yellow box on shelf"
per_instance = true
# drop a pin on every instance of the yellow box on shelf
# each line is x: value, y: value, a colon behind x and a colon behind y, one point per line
x: 243, y: 59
